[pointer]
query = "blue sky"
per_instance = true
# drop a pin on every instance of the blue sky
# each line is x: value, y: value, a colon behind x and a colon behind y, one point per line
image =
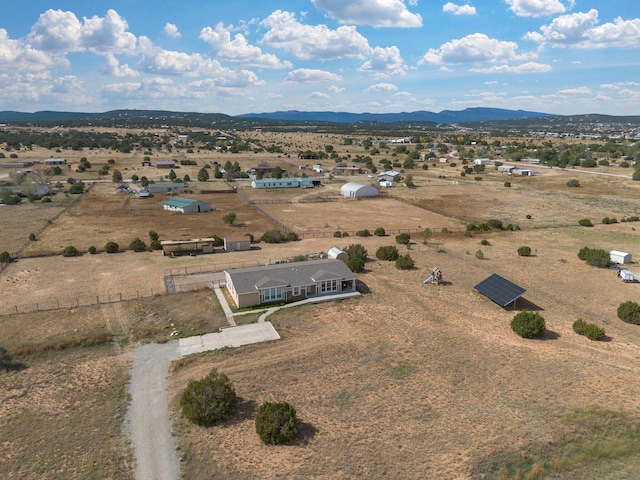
x: 554, y: 56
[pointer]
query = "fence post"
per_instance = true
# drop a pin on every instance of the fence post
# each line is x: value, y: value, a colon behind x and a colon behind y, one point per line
x: 97, y: 298
x: 37, y: 307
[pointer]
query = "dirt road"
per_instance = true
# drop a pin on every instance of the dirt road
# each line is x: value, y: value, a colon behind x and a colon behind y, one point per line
x: 148, y: 423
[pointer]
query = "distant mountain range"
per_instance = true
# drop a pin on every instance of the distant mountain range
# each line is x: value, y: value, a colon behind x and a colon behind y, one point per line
x: 443, y: 117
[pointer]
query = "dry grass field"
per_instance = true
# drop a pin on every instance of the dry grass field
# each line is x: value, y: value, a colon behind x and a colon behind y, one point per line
x: 409, y: 381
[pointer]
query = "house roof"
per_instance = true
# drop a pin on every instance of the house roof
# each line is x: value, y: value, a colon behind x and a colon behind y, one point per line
x: 181, y: 202
x: 252, y: 279
x: 390, y: 173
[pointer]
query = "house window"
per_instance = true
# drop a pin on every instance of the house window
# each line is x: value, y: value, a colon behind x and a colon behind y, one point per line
x: 308, y: 290
x: 329, y: 286
x: 295, y: 291
x: 273, y: 293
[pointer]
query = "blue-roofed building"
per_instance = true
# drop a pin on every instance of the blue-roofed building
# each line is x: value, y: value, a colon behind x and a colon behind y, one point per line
x: 293, y: 182
x: 186, y: 205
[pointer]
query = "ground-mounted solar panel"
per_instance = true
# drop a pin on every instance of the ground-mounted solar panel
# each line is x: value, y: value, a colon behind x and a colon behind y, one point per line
x: 499, y: 290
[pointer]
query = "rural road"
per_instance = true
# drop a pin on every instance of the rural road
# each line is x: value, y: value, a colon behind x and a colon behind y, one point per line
x: 148, y: 422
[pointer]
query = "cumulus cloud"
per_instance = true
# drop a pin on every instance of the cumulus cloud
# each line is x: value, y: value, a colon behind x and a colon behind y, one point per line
x: 67, y: 84
x: 318, y: 95
x: 171, y: 30
x: 108, y: 34
x: 112, y: 67
x: 376, y: 13
x: 308, y: 42
x: 310, y: 75
x: 19, y: 57
x: 619, y: 85
x: 56, y: 31
x: 384, y: 62
x: 576, y: 91
x: 538, y: 8
x: 474, y: 48
x: 381, y: 87
x: 580, y: 30
x: 238, y: 49
x: 336, y: 89
x: 451, y: 7
x: 529, y: 67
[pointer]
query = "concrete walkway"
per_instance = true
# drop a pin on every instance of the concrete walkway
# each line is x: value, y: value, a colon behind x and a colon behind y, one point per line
x: 229, y: 337
x: 224, y: 304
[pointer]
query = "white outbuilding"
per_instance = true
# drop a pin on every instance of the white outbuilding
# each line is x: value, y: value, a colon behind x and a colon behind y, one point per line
x: 358, y: 190
x: 338, y: 254
x: 619, y: 257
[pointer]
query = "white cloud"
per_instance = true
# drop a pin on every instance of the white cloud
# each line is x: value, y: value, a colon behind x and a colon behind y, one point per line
x: 309, y: 75
x: 445, y: 69
x: 619, y: 85
x: 108, y: 34
x: 529, y: 67
x: 376, y: 13
x: 308, y: 42
x: 122, y: 88
x: 580, y: 30
x: 18, y: 57
x: 238, y: 50
x: 67, y: 84
x: 473, y: 48
x: 381, y: 87
x: 171, y: 30
x: 112, y: 67
x: 318, y: 95
x: 385, y: 62
x: 492, y: 82
x: 576, y: 91
x: 336, y: 89
x: 451, y: 7
x: 402, y: 94
x: 538, y: 8
x: 56, y: 31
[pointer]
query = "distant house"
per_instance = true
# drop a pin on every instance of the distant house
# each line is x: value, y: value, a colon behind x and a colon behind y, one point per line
x: 144, y: 192
x: 55, y: 161
x: 262, y: 169
x: 388, y: 176
x: 505, y: 168
x: 146, y: 163
x: 318, y: 168
x: 347, y: 170
x: 186, y: 205
x: 288, y: 282
x: 165, y: 187
x: 386, y: 184
x: 482, y: 161
x: 284, y: 183
x: 617, y: 256
x: 165, y: 164
x: 237, y: 244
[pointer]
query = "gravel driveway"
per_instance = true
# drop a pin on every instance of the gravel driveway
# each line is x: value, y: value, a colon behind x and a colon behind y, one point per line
x: 148, y: 423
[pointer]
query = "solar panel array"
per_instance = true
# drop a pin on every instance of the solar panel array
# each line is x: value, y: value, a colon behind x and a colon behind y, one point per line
x: 499, y: 290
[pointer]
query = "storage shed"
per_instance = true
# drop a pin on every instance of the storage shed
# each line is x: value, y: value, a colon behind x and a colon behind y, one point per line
x: 186, y: 205
x: 619, y: 257
x: 237, y: 244
x: 336, y: 254
x: 358, y: 190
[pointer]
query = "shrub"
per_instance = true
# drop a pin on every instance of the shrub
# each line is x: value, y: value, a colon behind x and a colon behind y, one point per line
x: 337, y: 234
x: 153, y: 235
x: 629, y: 312
x: 93, y: 250
x: 585, y: 222
x: 229, y: 218
x: 363, y: 233
x: 70, y: 251
x: 484, y: 241
x: 582, y: 254
x: 389, y: 253
x: 77, y: 188
x: 32, y: 237
x: 356, y: 250
x: 593, y: 332
x: 45, y: 200
x: 596, y: 257
x: 5, y: 257
x: 291, y: 237
x: 272, y: 236
x: 379, y: 232
x: 507, y: 184
x: 217, y: 241
x: 111, y: 247
x: 578, y: 326
x: 403, y: 239
x: 276, y: 423
x: 155, y: 245
x: 479, y: 255
x: 356, y: 265
x: 137, y: 245
x: 574, y: 183
x: 299, y: 258
x: 495, y: 224
x: 607, y: 220
x: 524, y: 251
x: 209, y: 400
x: 528, y: 324
x: 405, y: 262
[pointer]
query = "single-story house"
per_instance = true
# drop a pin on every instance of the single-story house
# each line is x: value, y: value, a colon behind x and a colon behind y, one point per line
x: 165, y: 187
x: 318, y: 168
x: 335, y: 253
x: 186, y: 205
x: 237, y: 244
x: 288, y: 282
x: 506, y: 168
x: 617, y: 256
x: 26, y: 164
x: 347, y: 170
x: 389, y: 176
x: 165, y: 164
x: 301, y: 182
x: 262, y: 169
x: 144, y: 192
x: 386, y: 184
x: 186, y: 247
x: 482, y: 161
x: 55, y: 161
x: 358, y: 190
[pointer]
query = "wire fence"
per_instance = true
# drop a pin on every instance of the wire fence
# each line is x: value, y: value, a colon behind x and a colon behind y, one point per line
x: 81, y: 300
